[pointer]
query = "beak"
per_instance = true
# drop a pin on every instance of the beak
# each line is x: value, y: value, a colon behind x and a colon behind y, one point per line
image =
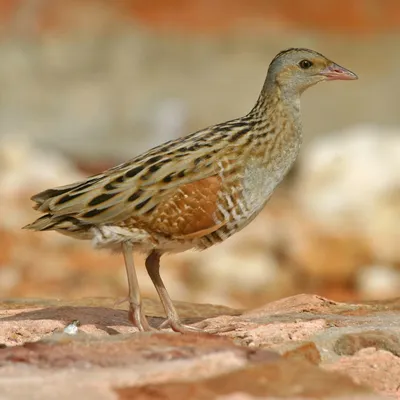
x: 336, y: 72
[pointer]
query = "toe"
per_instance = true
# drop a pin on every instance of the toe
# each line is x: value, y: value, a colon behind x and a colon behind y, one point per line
x: 177, y: 326
x: 139, y: 320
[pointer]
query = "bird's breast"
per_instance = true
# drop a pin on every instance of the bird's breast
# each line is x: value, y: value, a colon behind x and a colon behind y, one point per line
x: 263, y: 174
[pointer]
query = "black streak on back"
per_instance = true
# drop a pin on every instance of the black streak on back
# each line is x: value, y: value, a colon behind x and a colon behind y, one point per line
x: 135, y: 195
x: 142, y: 204
x: 93, y: 213
x: 134, y: 171
x: 68, y: 197
x: 101, y: 198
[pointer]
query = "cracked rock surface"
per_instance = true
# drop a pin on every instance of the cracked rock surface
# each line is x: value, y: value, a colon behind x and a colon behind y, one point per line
x: 301, y: 347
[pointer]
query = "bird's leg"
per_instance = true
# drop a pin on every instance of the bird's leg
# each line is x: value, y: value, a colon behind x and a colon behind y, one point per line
x: 136, y: 314
x: 173, y: 320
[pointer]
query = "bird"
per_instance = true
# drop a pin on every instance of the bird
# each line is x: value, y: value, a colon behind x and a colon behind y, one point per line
x: 195, y: 191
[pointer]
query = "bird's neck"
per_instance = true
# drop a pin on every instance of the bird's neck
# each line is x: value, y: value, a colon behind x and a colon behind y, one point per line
x: 277, y: 128
x: 277, y: 104
x: 275, y: 97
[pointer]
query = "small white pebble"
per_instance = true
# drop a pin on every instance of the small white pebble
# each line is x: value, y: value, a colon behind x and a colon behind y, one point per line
x: 72, y: 328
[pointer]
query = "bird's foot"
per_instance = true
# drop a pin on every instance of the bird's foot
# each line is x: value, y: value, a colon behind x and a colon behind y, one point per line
x: 177, y: 326
x: 136, y: 316
x: 138, y: 319
x: 207, y: 326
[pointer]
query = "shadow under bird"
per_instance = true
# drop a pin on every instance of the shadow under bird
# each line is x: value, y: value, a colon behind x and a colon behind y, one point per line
x: 195, y: 191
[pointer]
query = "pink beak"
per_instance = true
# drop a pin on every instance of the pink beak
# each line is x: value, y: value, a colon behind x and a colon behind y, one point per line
x: 336, y: 72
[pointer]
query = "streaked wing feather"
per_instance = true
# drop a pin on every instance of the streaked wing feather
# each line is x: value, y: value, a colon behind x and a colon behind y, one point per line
x: 137, y: 186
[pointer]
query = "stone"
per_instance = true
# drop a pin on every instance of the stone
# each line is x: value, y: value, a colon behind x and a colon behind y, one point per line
x: 281, y: 379
x: 303, y: 346
x: 351, y: 343
x: 372, y: 368
x: 306, y: 351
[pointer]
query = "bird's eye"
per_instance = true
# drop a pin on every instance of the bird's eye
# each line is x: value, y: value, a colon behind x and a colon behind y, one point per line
x: 305, y: 64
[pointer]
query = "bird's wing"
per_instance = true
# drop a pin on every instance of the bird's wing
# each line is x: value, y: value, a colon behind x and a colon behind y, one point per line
x: 138, y: 186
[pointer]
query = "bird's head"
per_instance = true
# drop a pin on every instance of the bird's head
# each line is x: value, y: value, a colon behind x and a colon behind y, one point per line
x: 295, y: 70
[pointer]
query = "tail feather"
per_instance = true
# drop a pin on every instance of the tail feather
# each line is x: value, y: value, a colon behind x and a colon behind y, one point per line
x: 46, y: 222
x: 42, y: 197
x: 54, y: 199
x: 66, y: 225
x: 58, y: 218
x: 50, y: 222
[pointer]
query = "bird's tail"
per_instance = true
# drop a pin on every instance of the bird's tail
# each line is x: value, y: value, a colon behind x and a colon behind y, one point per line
x: 44, y: 223
x: 66, y: 225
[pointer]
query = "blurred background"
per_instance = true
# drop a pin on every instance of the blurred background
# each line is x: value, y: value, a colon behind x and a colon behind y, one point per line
x: 86, y: 84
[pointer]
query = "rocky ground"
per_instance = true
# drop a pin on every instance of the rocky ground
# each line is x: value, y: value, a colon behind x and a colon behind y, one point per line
x: 332, y: 231
x: 301, y: 347
x: 87, y: 84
